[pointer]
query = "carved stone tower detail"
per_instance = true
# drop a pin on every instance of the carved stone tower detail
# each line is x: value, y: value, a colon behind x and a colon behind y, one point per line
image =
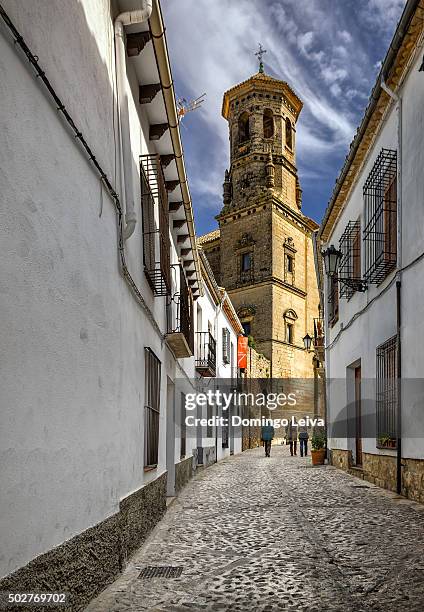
x: 263, y: 236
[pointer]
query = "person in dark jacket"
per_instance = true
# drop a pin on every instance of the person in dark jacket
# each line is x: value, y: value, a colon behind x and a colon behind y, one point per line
x: 267, y: 435
x: 303, y: 440
x: 291, y: 436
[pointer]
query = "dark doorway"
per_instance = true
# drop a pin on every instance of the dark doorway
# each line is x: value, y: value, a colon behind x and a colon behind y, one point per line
x: 358, y: 424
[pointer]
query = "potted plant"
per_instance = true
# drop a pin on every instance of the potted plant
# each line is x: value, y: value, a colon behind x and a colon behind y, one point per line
x: 318, y: 448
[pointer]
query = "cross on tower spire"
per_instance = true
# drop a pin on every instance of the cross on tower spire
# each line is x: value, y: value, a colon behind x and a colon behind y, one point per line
x: 259, y: 54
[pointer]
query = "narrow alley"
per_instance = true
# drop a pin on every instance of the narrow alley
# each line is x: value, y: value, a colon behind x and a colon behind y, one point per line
x: 253, y: 533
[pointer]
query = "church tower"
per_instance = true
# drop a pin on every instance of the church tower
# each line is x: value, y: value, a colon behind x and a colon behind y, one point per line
x: 263, y: 251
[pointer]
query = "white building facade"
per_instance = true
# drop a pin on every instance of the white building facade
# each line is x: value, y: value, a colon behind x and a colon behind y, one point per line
x: 374, y: 312
x: 99, y: 280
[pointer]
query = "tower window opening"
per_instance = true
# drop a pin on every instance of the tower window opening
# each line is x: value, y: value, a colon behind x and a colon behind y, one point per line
x: 290, y: 333
x: 268, y: 123
x: 289, y: 134
x: 246, y: 262
x: 243, y: 127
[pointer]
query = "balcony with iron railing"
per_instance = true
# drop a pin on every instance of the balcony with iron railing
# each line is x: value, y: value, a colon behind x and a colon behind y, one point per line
x: 180, y: 330
x: 155, y: 216
x: 205, y: 354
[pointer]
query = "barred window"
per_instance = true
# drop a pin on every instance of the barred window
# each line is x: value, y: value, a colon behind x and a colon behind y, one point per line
x: 350, y: 262
x: 380, y: 233
x: 333, y: 300
x: 156, y: 243
x: 152, y: 368
x: 386, y: 392
x: 225, y: 345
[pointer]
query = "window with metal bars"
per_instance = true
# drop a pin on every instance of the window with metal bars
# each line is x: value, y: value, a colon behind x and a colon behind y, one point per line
x: 152, y: 369
x: 155, y: 215
x: 226, y: 345
x: 380, y: 232
x: 386, y: 393
x: 333, y: 300
x: 350, y: 263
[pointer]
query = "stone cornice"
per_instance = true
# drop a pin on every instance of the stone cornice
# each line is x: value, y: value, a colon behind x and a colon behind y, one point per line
x: 262, y: 82
x: 270, y: 280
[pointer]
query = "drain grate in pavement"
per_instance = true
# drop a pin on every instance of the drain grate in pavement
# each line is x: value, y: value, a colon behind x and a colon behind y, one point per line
x: 165, y: 571
x: 360, y: 487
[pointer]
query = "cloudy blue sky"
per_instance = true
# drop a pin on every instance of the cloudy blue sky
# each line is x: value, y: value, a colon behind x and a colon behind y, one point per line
x: 329, y: 51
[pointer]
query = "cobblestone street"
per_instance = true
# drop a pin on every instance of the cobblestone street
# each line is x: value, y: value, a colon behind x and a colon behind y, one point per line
x: 253, y: 533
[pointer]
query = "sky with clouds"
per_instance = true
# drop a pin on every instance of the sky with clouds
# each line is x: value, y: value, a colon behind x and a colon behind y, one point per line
x: 329, y: 51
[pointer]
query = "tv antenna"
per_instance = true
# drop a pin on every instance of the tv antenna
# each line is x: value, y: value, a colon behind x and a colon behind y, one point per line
x: 185, y: 106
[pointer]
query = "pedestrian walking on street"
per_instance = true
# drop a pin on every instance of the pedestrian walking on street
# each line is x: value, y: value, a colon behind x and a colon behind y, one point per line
x: 291, y: 436
x: 303, y: 440
x: 267, y: 435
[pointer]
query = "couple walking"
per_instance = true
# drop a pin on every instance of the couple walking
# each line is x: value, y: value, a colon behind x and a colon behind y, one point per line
x: 293, y: 433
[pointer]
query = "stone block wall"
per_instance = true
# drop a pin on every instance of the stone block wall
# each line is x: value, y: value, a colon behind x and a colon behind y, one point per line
x: 381, y: 471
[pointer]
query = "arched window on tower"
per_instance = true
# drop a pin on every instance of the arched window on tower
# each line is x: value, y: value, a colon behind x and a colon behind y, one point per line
x: 243, y: 125
x: 290, y: 318
x: 289, y: 134
x: 268, y: 121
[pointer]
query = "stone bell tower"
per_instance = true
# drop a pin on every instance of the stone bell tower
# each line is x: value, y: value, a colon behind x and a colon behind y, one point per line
x: 263, y: 252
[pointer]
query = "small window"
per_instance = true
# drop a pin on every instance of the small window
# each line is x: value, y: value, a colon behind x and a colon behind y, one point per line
x: 289, y: 332
x: 290, y: 264
x: 243, y: 127
x: 268, y: 123
x: 226, y: 345
x: 247, y: 328
x: 246, y: 262
x: 289, y: 134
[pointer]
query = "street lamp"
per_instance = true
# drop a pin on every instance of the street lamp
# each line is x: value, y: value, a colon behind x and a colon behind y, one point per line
x: 307, y: 341
x: 331, y: 258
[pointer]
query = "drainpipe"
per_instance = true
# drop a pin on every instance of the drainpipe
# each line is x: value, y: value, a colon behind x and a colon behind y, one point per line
x: 398, y: 99
x: 125, y: 156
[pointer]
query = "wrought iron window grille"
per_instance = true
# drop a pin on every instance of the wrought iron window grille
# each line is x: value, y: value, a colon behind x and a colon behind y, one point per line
x: 380, y: 232
x: 349, y: 272
x: 156, y: 243
x: 386, y: 393
x: 151, y: 408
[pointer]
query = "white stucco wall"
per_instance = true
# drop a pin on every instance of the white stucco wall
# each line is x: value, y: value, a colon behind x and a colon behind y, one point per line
x: 358, y: 339
x: 73, y: 337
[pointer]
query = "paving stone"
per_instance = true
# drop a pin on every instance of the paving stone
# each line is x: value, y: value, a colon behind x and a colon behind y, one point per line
x: 264, y: 534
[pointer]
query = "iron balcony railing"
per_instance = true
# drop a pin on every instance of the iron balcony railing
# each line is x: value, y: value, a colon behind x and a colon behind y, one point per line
x: 205, y: 354
x: 180, y: 313
x: 156, y: 243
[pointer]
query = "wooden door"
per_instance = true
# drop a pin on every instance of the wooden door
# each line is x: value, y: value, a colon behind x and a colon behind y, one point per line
x: 358, y: 425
